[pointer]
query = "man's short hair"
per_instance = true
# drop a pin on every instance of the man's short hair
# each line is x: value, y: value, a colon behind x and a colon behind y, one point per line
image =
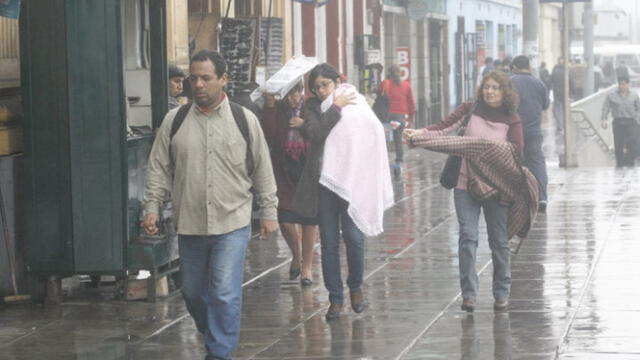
x: 214, y: 57
x: 175, y: 71
x: 521, y: 62
x: 622, y: 79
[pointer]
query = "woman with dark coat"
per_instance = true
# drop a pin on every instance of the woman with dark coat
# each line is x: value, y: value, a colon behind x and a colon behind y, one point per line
x: 347, y: 188
x: 281, y: 124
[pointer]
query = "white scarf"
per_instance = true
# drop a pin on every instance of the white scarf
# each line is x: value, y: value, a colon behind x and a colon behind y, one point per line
x: 355, y: 163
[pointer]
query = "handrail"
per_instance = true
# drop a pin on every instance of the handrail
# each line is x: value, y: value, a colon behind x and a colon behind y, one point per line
x: 594, y: 133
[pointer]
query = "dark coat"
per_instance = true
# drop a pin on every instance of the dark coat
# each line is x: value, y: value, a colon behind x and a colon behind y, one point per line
x: 316, y: 128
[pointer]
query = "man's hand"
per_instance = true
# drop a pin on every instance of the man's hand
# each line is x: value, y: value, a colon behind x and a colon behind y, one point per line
x: 604, y: 124
x: 267, y: 228
x: 149, y: 224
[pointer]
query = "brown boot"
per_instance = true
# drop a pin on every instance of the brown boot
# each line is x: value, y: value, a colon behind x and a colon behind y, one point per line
x: 333, y: 312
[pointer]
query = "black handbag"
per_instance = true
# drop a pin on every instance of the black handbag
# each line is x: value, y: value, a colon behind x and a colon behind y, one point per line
x: 451, y: 169
x: 381, y: 106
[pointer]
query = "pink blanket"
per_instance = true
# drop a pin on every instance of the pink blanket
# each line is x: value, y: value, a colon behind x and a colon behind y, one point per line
x: 355, y: 163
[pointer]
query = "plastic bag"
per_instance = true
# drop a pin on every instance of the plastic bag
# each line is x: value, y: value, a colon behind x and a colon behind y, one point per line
x: 286, y: 78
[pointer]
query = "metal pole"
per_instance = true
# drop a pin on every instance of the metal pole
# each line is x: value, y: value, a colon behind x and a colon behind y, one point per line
x: 589, y: 86
x: 569, y: 160
x: 530, y: 15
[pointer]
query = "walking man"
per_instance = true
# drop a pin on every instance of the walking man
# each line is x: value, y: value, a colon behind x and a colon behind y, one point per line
x: 208, y: 168
x: 557, y: 86
x: 534, y: 100
x: 624, y: 106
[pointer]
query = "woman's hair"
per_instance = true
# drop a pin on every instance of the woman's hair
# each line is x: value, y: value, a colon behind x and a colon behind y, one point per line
x: 326, y: 71
x: 299, y: 87
x: 393, y: 73
x: 509, y: 96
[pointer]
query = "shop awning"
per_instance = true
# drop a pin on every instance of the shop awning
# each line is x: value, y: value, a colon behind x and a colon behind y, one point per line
x: 10, y: 8
x: 316, y: 2
x: 418, y: 9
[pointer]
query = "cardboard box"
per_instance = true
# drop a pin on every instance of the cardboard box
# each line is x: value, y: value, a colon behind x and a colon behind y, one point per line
x: 11, y: 139
x: 137, y: 289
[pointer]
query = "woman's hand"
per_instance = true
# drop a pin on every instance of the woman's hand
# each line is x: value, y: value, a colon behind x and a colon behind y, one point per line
x: 269, y: 100
x: 344, y: 99
x: 407, y: 134
x: 296, y: 122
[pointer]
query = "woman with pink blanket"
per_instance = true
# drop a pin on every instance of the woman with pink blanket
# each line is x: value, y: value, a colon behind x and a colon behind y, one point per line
x: 346, y: 180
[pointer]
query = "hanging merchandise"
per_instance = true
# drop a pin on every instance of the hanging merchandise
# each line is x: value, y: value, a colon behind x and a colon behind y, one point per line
x: 10, y: 8
x: 236, y: 46
x: 271, y: 44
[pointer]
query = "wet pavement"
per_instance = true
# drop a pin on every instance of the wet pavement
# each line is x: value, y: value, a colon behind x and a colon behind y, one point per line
x: 572, y: 294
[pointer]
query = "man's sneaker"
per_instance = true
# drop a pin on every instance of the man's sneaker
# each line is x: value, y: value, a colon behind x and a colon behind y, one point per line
x: 542, y: 206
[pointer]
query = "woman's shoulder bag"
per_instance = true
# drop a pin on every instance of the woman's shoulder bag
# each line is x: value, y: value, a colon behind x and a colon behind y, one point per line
x: 451, y: 169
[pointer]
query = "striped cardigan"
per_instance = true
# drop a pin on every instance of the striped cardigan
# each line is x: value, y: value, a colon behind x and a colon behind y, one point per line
x: 495, y: 172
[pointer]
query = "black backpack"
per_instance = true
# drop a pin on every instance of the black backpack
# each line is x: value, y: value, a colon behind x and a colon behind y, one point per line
x: 241, y: 122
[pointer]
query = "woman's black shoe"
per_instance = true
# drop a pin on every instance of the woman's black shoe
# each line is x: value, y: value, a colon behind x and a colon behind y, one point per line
x: 306, y: 282
x: 468, y: 305
x: 333, y: 312
x: 294, y: 273
x: 356, y: 301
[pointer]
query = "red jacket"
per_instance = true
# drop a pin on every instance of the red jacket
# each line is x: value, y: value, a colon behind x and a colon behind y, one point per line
x: 400, y: 97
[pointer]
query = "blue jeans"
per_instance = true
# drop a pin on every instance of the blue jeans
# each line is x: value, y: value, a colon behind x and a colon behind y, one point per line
x: 534, y: 159
x: 397, y: 136
x: 332, y: 216
x: 212, y: 269
x: 495, y: 215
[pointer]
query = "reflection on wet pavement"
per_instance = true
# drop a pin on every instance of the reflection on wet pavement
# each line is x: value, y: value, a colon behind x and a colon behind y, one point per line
x: 572, y: 295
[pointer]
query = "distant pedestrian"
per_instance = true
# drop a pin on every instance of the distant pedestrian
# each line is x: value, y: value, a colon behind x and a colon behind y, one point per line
x: 495, y: 118
x: 203, y: 166
x: 578, y: 74
x: 534, y: 100
x: 545, y: 75
x: 176, y: 79
x: 557, y: 87
x: 624, y: 106
x: 402, y: 109
x: 281, y: 123
x: 345, y: 182
x: 485, y: 69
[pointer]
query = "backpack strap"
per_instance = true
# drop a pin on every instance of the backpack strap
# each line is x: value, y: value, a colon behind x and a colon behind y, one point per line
x: 241, y: 122
x: 178, y: 120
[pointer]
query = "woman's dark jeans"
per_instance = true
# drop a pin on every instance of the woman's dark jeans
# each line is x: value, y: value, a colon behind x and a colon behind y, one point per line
x: 333, y: 216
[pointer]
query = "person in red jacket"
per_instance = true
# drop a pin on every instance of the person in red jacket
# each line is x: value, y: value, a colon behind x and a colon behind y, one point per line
x: 402, y: 109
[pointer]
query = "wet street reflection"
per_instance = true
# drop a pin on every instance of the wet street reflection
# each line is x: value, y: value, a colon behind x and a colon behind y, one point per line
x: 573, y: 290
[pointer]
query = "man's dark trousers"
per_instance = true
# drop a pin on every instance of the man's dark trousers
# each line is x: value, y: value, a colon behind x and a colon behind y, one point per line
x: 625, y: 133
x: 534, y: 159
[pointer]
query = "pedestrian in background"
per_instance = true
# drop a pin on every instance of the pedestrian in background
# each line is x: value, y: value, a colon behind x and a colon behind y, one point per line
x: 203, y: 168
x: 624, y: 106
x: 176, y: 79
x: 281, y: 123
x: 494, y: 117
x: 534, y: 100
x: 345, y: 182
x: 485, y: 69
x: 557, y: 87
x: 402, y: 109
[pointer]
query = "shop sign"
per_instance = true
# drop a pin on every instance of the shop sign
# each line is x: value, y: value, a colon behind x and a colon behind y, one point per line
x: 10, y: 8
x: 403, y: 60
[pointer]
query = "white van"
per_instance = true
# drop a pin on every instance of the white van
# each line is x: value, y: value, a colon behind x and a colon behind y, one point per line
x: 616, y: 54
